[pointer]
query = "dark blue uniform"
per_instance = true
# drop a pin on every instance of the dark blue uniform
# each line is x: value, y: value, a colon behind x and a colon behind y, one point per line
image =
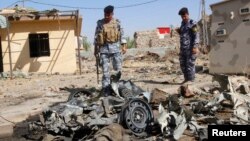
x: 189, y: 39
x: 109, y: 52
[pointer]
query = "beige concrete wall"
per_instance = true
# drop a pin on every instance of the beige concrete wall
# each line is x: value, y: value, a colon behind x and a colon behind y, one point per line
x: 62, y: 46
x: 230, y: 53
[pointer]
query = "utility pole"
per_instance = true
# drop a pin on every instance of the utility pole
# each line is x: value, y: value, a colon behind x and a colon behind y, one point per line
x: 204, y: 22
x: 23, y: 3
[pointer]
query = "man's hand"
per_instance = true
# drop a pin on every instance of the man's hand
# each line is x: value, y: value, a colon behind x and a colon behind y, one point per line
x: 195, y: 50
x: 96, y: 50
x: 124, y: 48
x: 178, y: 30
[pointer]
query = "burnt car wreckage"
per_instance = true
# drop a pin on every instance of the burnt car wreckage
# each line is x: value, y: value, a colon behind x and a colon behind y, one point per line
x: 86, y: 110
x: 129, y: 115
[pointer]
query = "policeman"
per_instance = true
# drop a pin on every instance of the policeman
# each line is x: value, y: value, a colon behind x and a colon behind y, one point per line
x: 108, y: 39
x: 189, y: 40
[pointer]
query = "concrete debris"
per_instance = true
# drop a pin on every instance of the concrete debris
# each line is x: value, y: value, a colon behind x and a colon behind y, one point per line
x: 242, y: 114
x: 206, y: 89
x: 185, y: 91
x: 243, y: 88
x: 151, y: 38
x: 232, y: 84
x: 16, y: 74
x: 174, y: 61
x: 223, y: 80
x: 148, y: 56
x: 158, y: 96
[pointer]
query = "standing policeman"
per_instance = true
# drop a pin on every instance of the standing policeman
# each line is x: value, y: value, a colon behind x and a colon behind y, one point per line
x: 108, y: 38
x: 189, y: 40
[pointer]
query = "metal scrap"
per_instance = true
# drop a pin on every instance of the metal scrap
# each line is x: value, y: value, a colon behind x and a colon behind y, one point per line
x: 86, y: 108
x: 172, y: 124
x: 131, y: 109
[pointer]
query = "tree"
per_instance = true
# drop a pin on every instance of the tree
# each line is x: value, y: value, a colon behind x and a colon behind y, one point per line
x: 86, y: 44
x: 130, y: 42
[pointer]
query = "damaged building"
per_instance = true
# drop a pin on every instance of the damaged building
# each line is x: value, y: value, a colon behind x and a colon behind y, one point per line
x: 160, y: 37
x: 230, y: 38
x: 39, y: 41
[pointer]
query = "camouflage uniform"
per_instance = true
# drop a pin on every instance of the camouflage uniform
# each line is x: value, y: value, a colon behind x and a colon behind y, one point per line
x: 189, y: 39
x: 109, y: 51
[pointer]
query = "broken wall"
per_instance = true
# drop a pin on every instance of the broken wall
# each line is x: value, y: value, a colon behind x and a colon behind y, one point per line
x: 230, y: 38
x: 151, y: 38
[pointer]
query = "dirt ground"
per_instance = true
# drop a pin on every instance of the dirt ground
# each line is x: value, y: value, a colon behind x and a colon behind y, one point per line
x: 148, y: 72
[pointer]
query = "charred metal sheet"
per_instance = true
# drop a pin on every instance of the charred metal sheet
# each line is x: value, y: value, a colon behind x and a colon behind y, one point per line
x: 199, y: 108
x: 81, y: 95
x: 125, y: 88
x: 173, y: 104
x: 54, y: 123
x: 172, y: 124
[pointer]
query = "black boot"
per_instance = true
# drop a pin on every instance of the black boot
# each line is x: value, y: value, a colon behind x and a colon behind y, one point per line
x: 106, y: 91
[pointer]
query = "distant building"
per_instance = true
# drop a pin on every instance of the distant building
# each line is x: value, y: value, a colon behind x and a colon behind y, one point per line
x: 43, y: 41
x: 160, y: 37
x: 230, y: 37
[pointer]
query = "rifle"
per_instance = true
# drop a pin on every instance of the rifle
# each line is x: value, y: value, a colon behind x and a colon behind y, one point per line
x: 97, y: 56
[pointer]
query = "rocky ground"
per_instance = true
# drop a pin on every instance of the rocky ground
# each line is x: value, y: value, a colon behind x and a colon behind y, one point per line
x: 147, y: 70
x: 30, y: 95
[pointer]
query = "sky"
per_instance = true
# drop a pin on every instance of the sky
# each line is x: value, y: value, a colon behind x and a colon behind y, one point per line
x: 156, y: 13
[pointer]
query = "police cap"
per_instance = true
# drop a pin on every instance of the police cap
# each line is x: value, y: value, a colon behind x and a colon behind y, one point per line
x: 109, y: 9
x: 183, y: 11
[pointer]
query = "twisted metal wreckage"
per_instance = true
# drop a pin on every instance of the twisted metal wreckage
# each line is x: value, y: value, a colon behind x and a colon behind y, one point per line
x: 129, y: 114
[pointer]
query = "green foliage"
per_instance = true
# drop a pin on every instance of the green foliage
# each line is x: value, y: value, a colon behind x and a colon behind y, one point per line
x: 130, y: 42
x: 86, y: 44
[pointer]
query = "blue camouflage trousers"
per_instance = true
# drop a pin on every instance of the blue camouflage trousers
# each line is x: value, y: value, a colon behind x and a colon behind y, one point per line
x: 187, y: 64
x: 105, y: 59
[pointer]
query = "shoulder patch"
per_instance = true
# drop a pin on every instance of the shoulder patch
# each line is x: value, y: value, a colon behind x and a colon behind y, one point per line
x: 194, y: 28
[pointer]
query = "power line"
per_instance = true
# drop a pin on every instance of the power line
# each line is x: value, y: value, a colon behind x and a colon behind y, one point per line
x: 16, y: 3
x: 138, y: 4
x: 13, y: 4
x: 92, y: 8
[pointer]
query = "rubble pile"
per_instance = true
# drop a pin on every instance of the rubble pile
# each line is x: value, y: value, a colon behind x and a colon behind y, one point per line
x: 133, y: 114
x: 145, y: 39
